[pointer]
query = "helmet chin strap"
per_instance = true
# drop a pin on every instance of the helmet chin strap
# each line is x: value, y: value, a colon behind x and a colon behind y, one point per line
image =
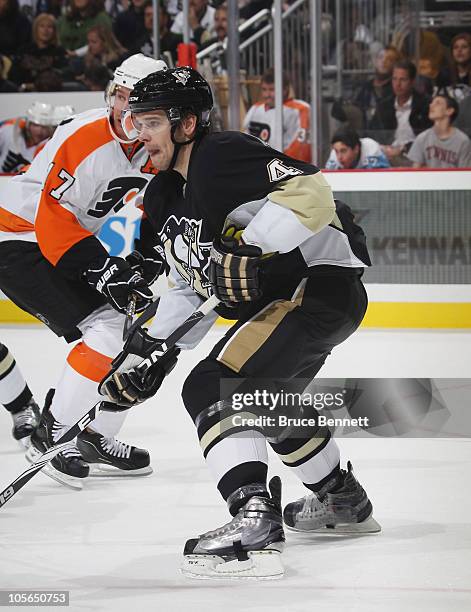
x: 115, y: 135
x: 178, y: 145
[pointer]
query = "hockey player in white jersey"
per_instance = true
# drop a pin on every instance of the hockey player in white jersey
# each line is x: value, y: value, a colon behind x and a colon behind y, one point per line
x: 262, y: 232
x: 16, y: 397
x: 55, y: 268
x: 21, y: 138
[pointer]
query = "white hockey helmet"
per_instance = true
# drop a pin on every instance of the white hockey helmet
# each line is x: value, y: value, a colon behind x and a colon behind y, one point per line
x: 135, y: 68
x: 132, y: 70
x: 60, y: 113
x: 40, y: 113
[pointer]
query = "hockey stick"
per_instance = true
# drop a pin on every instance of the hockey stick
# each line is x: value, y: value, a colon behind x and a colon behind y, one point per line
x: 160, y: 348
x: 130, y: 312
x: 38, y: 465
x: 73, y: 432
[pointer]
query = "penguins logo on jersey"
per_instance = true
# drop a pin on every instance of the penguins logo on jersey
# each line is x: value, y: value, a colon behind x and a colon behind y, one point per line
x: 181, y: 239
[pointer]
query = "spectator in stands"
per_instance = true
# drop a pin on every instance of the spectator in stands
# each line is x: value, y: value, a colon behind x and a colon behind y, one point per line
x: 168, y: 40
x: 378, y: 88
x: 48, y: 80
x: 20, y: 138
x: 6, y: 86
x: 129, y: 25
x: 461, y: 65
x: 463, y: 122
x: 80, y: 17
x: 15, y: 28
x: 443, y: 145
x: 201, y: 19
x: 260, y: 118
x: 103, y: 48
x: 42, y: 54
x: 220, y: 25
x: 96, y: 77
x: 399, y: 118
x: 350, y: 151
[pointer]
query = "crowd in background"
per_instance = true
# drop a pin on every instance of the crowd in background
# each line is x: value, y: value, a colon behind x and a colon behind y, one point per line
x: 409, y: 113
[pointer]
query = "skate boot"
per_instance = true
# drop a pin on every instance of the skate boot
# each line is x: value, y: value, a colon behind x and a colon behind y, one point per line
x: 249, y: 546
x: 25, y: 422
x: 67, y: 467
x: 347, y: 510
x: 110, y: 457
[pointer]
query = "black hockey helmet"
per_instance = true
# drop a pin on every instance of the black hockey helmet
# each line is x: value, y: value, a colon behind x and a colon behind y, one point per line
x: 176, y: 91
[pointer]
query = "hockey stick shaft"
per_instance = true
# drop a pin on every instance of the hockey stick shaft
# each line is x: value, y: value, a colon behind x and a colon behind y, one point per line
x: 38, y: 465
x: 156, y: 351
x: 130, y: 312
x: 73, y: 432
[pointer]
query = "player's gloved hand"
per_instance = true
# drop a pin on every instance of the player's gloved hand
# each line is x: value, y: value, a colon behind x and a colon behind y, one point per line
x: 146, y: 261
x: 135, y: 381
x: 234, y: 269
x: 117, y: 281
x: 14, y: 160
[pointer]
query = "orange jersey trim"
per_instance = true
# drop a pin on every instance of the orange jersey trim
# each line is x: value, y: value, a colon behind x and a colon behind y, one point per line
x: 89, y: 363
x: 300, y: 149
x: 9, y: 222
x: 57, y: 229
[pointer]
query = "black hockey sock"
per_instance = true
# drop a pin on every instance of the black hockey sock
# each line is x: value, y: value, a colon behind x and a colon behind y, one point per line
x: 331, y: 483
x: 19, y: 402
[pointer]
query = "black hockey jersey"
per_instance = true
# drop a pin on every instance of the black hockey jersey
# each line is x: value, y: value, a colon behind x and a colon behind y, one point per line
x: 285, y: 205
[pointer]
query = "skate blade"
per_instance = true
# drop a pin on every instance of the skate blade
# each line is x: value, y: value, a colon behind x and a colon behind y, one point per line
x: 370, y: 525
x: 102, y: 470
x: 261, y: 565
x: 32, y: 454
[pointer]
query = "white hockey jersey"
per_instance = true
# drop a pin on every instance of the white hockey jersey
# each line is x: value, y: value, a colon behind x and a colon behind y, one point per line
x: 79, y: 179
x: 260, y: 122
x: 14, y: 150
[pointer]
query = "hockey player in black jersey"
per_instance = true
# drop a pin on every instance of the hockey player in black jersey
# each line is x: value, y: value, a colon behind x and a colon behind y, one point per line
x: 17, y: 398
x: 262, y: 232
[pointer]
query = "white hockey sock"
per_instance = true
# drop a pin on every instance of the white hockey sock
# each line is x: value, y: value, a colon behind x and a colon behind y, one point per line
x: 239, y: 448
x: 319, y: 466
x: 86, y: 365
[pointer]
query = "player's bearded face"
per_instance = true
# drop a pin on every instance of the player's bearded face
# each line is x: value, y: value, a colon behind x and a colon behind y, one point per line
x: 154, y: 131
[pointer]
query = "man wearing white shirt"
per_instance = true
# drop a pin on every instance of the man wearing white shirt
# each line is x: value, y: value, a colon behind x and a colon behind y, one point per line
x: 201, y: 19
x: 399, y: 118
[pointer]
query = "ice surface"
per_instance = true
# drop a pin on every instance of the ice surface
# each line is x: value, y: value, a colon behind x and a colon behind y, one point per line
x: 116, y: 545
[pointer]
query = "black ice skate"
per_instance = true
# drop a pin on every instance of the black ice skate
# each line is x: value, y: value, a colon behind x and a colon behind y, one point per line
x: 110, y: 457
x: 67, y: 467
x: 248, y: 547
x: 347, y: 510
x: 25, y: 422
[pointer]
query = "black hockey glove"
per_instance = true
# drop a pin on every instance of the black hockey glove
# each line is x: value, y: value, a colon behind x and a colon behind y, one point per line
x: 234, y: 269
x: 134, y: 383
x: 146, y: 261
x: 117, y: 281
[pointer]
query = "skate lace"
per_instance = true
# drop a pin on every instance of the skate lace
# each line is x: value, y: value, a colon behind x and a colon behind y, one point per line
x: 70, y: 451
x: 116, y: 448
x: 25, y: 417
x: 311, y: 504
